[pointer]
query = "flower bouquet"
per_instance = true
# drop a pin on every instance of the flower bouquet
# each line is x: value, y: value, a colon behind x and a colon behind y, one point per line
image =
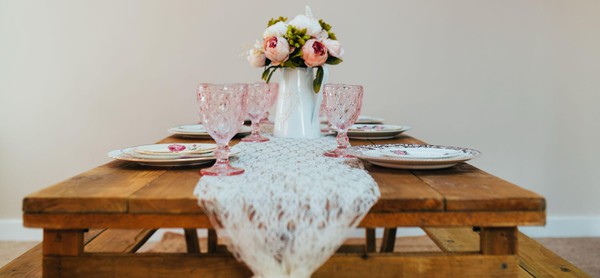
x: 300, y: 43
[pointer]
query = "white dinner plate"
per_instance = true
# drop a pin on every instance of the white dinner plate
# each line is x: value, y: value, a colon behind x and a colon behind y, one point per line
x: 128, y: 154
x: 413, y: 156
x: 368, y: 120
x: 198, y: 131
x: 175, y: 149
x: 375, y: 131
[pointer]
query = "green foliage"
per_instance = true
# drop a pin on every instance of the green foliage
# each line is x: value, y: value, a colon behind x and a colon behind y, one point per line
x: 333, y: 60
x: 296, y: 38
x: 268, y: 72
x: 327, y: 28
x: 318, y: 80
x: 273, y: 21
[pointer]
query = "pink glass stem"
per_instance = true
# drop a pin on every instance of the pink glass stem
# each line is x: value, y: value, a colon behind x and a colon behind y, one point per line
x: 222, y: 154
x: 255, y: 128
x: 342, y: 140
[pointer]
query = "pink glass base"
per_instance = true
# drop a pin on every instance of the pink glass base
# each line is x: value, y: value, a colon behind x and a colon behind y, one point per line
x: 222, y: 170
x: 255, y: 138
x: 340, y: 153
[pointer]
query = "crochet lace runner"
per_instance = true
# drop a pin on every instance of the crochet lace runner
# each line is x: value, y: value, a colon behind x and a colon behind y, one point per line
x: 291, y: 209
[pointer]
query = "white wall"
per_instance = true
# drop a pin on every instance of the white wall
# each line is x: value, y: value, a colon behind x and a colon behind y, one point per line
x: 518, y: 80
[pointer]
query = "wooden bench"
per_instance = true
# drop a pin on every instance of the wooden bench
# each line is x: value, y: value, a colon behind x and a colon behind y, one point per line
x: 534, y: 259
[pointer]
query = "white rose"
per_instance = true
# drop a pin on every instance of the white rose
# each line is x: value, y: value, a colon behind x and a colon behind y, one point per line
x: 322, y: 35
x: 312, y: 26
x: 334, y: 48
x: 256, y: 56
x: 278, y: 29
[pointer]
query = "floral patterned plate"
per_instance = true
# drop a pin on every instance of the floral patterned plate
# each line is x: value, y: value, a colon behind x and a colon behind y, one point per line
x: 128, y: 154
x: 175, y: 149
x: 413, y: 156
x: 375, y: 131
x: 198, y: 131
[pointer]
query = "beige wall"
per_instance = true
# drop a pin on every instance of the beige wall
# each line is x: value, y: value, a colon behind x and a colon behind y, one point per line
x: 518, y: 80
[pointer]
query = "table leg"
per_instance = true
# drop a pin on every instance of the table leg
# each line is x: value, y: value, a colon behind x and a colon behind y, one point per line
x: 389, y: 240
x: 191, y: 241
x: 60, y: 243
x: 499, y: 240
x: 371, y: 239
x: 212, y: 241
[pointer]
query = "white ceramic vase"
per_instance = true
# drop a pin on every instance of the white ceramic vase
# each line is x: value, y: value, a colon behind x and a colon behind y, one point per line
x: 297, y: 110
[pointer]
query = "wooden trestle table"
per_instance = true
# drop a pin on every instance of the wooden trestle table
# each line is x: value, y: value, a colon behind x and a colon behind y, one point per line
x: 124, y: 195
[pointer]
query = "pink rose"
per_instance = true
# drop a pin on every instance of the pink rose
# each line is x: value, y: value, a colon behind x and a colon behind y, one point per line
x: 277, y: 49
x: 334, y: 48
x: 314, y: 53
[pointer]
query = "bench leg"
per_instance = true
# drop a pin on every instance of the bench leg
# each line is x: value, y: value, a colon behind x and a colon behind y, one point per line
x: 388, y: 241
x: 191, y: 241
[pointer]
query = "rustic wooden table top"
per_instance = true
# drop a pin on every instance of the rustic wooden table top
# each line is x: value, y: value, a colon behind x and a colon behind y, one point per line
x: 127, y: 195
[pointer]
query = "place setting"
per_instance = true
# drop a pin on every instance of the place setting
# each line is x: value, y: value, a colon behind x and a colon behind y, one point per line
x: 167, y: 155
x: 413, y: 156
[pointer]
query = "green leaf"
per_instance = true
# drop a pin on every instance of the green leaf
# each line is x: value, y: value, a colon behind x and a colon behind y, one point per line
x: 265, y: 74
x: 271, y: 73
x: 318, y: 80
x: 289, y: 63
x: 333, y: 60
x: 273, y: 21
x: 332, y: 36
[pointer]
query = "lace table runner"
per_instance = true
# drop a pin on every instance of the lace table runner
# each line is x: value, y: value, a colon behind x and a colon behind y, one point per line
x: 291, y: 209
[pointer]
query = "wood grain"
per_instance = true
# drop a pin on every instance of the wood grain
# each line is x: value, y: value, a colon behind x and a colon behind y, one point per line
x: 541, y: 262
x: 498, y: 240
x: 340, y: 265
x: 372, y: 220
x: 535, y: 260
x: 29, y: 264
x: 119, y: 241
x: 102, y: 189
x: 63, y: 242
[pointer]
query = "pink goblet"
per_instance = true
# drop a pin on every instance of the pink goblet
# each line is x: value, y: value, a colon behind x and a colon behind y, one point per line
x: 342, y: 106
x: 259, y: 100
x: 265, y: 118
x: 223, y: 108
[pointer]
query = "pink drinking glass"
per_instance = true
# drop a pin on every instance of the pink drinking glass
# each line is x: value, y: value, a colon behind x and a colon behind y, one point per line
x: 342, y: 107
x: 259, y: 100
x: 265, y: 118
x: 223, y: 108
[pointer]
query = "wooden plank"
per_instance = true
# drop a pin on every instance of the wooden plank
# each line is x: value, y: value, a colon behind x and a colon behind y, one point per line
x: 372, y: 220
x: 63, y: 242
x: 498, y: 240
x: 465, y: 187
x: 102, y: 189
x: 172, y: 192
x: 119, y: 241
x: 191, y: 241
x: 454, y: 239
x: 541, y: 262
x: 340, y: 265
x: 535, y: 260
x: 29, y: 264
